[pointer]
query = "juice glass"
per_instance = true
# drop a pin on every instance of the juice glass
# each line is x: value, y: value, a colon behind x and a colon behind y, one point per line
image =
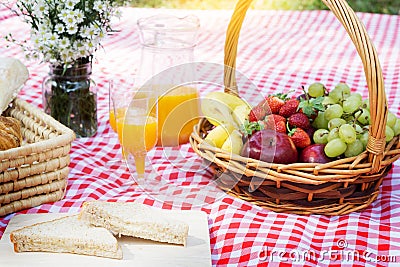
x: 119, y: 88
x: 178, y: 112
x: 137, y: 129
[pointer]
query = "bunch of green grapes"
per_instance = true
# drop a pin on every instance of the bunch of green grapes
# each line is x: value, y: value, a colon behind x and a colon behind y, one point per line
x: 344, y: 124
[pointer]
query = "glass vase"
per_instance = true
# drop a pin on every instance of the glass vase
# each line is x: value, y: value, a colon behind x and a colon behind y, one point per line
x: 70, y: 97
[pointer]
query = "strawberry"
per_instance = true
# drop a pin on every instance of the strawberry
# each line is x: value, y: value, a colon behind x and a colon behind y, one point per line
x: 299, y: 120
x: 280, y: 127
x: 289, y: 108
x: 275, y: 102
x: 299, y: 137
x: 275, y: 122
x: 257, y: 113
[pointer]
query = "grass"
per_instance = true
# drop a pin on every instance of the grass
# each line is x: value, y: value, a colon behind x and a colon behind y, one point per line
x: 371, y: 6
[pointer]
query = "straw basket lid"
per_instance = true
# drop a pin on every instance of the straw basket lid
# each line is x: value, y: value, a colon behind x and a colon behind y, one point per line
x: 334, y: 188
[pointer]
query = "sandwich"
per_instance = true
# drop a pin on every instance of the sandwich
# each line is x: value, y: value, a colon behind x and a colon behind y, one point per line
x: 137, y: 220
x: 66, y: 235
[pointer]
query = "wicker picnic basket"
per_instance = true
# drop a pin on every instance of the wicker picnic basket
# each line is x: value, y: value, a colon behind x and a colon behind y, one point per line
x: 36, y: 172
x: 335, y: 188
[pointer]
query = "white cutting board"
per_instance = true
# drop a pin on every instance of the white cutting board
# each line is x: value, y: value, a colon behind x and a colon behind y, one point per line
x: 136, y: 252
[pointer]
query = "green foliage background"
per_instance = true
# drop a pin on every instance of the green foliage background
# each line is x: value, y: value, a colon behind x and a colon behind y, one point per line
x: 372, y: 6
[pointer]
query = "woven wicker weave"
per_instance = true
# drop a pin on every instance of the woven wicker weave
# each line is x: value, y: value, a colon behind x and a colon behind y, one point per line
x: 36, y: 172
x: 334, y: 188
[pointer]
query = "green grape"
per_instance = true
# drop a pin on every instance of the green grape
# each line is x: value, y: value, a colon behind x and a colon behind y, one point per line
x: 345, y: 89
x: 354, y: 149
x: 389, y: 133
x: 363, y: 116
x: 340, y: 92
x: 320, y: 122
x: 333, y: 134
x: 358, y: 95
x: 359, y: 130
x: 335, y: 147
x: 347, y: 133
x: 328, y: 101
x: 316, y: 90
x: 364, y: 139
x: 351, y: 104
x: 391, y: 119
x: 333, y: 111
x: 365, y: 103
x: 396, y: 127
x: 348, y: 118
x: 335, y: 123
x: 321, y: 136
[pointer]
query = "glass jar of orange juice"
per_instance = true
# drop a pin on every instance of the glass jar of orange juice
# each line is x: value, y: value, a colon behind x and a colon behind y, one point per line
x: 167, y: 52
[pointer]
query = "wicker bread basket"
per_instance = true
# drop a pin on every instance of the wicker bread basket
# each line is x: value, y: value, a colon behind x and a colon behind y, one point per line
x: 36, y: 172
x: 335, y: 188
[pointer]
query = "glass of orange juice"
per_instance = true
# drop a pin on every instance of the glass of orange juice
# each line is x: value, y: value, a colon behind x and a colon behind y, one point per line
x: 119, y: 88
x: 137, y: 128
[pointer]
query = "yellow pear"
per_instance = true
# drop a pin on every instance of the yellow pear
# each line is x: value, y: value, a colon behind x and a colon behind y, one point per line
x: 233, y: 143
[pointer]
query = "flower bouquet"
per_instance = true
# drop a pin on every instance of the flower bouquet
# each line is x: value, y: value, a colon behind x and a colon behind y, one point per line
x: 66, y: 34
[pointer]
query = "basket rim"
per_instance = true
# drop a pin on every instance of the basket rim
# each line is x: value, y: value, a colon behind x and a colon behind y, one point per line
x: 65, y: 137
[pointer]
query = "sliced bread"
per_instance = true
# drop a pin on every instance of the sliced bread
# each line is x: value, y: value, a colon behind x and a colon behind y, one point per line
x: 66, y: 235
x: 137, y: 220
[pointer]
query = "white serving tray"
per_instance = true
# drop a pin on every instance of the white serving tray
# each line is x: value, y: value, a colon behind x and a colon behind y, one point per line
x: 136, y: 252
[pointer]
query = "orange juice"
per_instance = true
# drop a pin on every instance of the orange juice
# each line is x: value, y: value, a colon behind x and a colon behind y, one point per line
x: 137, y: 136
x: 113, y: 123
x: 178, y: 112
x: 112, y: 119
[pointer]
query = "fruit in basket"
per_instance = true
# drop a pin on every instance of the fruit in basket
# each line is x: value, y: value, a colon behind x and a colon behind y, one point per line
x: 389, y: 133
x: 241, y: 114
x: 340, y: 92
x: 219, y: 134
x: 275, y: 122
x: 352, y: 103
x: 320, y: 122
x: 234, y: 143
x: 335, y: 148
x: 270, y: 146
x: 257, y: 113
x: 300, y: 138
x: 316, y: 90
x: 354, y: 149
x: 396, y: 127
x: 275, y: 102
x: 333, y: 111
x: 218, y: 108
x: 347, y: 133
x: 289, y: 108
x: 314, y: 154
x: 321, y: 136
x: 299, y: 120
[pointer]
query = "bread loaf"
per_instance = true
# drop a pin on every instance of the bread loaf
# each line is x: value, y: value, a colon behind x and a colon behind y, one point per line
x: 10, y: 133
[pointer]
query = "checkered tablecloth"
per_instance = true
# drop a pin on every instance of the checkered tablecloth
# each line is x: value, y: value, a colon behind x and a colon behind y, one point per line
x: 278, y: 51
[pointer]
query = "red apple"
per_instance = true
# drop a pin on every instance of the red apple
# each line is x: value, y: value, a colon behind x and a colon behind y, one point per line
x: 270, y: 146
x: 314, y: 154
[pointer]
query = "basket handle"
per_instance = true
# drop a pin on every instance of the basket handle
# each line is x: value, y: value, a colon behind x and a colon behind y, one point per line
x: 365, y: 49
